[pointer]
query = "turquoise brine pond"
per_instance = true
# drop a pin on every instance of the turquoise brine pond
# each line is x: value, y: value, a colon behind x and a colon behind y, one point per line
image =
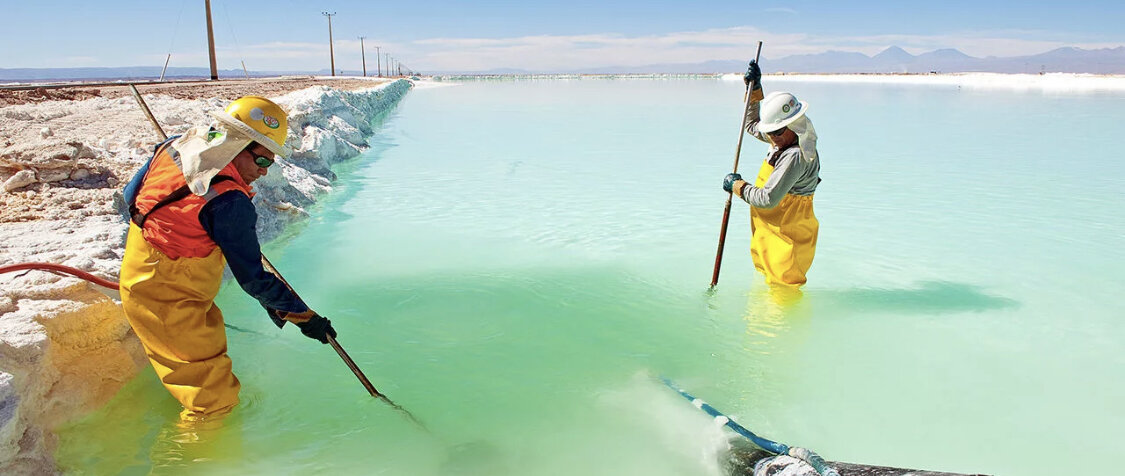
x: 517, y: 262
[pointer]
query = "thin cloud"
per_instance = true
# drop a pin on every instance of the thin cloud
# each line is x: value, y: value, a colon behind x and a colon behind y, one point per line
x: 561, y: 52
x: 781, y: 10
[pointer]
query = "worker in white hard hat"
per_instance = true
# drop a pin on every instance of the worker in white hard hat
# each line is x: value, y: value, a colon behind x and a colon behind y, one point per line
x: 191, y: 211
x: 784, y: 227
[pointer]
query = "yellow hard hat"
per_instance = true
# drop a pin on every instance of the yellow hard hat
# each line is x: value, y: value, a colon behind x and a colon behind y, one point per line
x: 261, y: 120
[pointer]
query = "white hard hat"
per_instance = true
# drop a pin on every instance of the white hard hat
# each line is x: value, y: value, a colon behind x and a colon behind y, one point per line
x: 780, y: 109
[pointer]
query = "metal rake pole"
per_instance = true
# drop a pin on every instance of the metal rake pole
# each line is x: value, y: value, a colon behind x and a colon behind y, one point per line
x: 344, y: 355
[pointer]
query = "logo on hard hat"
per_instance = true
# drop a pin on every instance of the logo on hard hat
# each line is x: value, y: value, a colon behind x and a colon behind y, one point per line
x: 785, y: 108
x: 271, y: 122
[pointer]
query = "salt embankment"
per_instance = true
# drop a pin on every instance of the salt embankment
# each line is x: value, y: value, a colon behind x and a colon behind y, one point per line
x: 66, y: 349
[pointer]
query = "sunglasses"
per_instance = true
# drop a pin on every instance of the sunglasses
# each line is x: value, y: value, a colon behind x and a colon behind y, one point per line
x: 263, y: 162
x: 777, y: 132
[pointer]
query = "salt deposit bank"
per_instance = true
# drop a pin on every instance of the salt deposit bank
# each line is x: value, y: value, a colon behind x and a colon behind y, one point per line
x: 65, y: 348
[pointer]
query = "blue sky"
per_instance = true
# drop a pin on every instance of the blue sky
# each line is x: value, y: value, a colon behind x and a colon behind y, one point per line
x: 435, y: 35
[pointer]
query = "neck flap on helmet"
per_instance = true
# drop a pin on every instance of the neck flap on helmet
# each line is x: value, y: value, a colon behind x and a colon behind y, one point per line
x: 806, y: 137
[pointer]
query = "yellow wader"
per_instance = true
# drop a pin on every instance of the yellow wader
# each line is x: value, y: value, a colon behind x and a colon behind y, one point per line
x: 783, y: 239
x: 170, y: 304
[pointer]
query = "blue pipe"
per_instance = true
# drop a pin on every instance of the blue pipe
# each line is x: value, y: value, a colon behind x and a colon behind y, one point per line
x: 771, y: 446
x: 803, y: 454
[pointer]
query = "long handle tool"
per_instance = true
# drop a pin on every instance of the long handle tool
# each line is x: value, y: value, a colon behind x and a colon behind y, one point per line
x: 347, y: 359
x: 737, y: 152
x: 148, y: 113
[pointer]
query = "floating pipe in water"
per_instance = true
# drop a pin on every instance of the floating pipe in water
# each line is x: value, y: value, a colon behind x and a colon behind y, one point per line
x: 802, y: 454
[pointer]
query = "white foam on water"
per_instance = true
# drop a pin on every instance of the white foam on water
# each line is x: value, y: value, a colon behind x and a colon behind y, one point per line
x: 680, y: 431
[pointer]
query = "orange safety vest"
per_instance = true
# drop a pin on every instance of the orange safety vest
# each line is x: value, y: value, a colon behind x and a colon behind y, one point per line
x: 174, y: 227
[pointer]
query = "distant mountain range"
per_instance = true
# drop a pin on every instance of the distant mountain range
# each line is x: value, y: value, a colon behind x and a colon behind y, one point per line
x: 896, y: 60
x: 890, y: 60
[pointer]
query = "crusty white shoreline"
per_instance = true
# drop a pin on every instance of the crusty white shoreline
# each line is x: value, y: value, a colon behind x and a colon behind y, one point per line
x: 65, y: 349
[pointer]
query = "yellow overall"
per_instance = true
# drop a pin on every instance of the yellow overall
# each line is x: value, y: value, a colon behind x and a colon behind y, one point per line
x: 170, y: 304
x: 783, y: 239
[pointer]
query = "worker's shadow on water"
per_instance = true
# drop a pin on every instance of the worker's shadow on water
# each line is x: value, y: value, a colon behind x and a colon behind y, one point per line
x: 930, y: 297
x: 779, y: 317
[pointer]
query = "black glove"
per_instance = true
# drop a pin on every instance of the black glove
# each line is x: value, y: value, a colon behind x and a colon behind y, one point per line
x: 318, y: 327
x: 728, y: 181
x: 753, y: 76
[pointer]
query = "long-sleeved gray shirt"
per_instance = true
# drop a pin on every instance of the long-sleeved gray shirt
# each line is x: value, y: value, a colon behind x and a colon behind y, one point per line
x: 791, y: 175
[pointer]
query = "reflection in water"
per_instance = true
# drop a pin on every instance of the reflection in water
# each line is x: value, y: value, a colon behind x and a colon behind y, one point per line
x: 196, y: 445
x: 771, y: 312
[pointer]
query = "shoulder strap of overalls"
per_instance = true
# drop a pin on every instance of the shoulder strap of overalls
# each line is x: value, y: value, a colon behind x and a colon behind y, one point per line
x: 177, y: 194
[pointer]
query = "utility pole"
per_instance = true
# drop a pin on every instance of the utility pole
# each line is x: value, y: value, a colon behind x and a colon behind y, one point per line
x: 331, y: 54
x: 363, y: 55
x: 378, y: 62
x: 388, y: 58
x: 211, y: 42
x: 166, y: 60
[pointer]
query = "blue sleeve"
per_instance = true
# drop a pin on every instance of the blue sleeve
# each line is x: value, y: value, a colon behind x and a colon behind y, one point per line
x: 231, y: 221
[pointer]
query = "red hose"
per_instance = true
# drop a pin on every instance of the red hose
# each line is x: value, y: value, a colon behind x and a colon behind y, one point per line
x: 58, y: 268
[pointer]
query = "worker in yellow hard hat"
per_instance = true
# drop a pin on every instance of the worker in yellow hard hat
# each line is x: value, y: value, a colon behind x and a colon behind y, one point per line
x: 784, y: 227
x: 191, y: 210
